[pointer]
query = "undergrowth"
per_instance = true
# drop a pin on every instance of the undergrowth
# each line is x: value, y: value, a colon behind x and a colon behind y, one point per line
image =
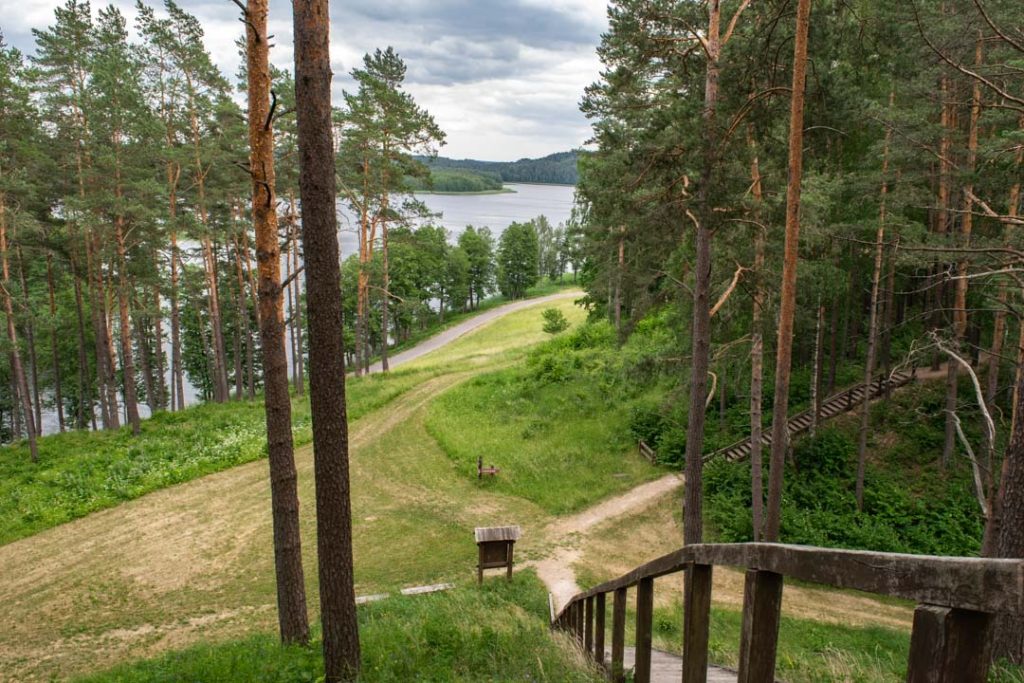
x: 497, y: 632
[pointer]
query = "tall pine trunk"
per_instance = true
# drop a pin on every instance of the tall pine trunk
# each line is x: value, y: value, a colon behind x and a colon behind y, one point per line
x: 58, y: 397
x: 17, y: 370
x: 326, y: 339
x: 876, y: 276
x: 30, y: 342
x: 291, y: 590
x: 693, y: 522
x: 177, y: 368
x: 787, y: 309
x: 757, y: 354
x: 300, y: 361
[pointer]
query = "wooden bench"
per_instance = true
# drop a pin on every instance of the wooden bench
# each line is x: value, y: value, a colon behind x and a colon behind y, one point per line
x: 481, y: 470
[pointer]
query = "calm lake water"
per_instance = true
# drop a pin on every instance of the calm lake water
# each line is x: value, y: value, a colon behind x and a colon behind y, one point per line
x: 495, y: 211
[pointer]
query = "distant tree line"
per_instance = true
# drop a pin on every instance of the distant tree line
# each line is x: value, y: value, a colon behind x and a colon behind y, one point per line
x: 456, y: 180
x: 558, y: 169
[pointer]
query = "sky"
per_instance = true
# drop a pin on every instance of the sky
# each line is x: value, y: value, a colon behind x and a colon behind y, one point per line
x: 503, y: 78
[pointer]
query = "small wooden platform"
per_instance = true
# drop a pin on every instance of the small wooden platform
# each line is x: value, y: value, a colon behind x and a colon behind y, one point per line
x: 668, y: 668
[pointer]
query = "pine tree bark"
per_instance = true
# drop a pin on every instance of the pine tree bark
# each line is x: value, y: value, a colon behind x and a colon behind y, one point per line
x: 326, y: 339
x: 876, y: 277
x: 787, y: 309
x: 819, y: 343
x: 757, y: 356
x: 177, y: 368
x: 58, y: 397
x: 693, y: 495
x: 84, y: 390
x: 127, y: 356
x: 1008, y: 635
x: 300, y: 360
x: 17, y: 370
x: 158, y: 344
x: 30, y: 342
x: 291, y: 589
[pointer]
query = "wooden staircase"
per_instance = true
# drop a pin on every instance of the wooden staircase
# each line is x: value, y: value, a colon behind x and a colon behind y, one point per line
x: 834, y: 405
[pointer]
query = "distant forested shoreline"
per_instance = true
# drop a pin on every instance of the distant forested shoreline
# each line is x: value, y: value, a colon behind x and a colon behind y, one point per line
x: 471, y: 175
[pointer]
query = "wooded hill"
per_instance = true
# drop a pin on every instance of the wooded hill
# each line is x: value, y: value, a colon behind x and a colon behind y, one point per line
x: 792, y: 184
x: 556, y: 169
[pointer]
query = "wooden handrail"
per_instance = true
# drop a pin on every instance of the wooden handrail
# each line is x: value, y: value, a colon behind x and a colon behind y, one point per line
x: 956, y: 598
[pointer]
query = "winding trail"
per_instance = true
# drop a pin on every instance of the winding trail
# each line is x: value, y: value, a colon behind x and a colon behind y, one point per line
x: 477, y: 321
x: 565, y: 533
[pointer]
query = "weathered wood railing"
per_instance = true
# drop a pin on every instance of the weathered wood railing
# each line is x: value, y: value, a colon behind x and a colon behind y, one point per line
x: 956, y: 599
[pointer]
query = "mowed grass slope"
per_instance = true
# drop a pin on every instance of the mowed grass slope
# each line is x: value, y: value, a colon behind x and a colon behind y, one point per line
x: 495, y: 633
x: 194, y: 562
x: 81, y: 472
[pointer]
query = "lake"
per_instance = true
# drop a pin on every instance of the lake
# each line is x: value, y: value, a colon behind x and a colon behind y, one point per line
x: 495, y: 211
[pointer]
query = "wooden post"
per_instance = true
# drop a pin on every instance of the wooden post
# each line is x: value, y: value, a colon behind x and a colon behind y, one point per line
x: 696, y: 622
x: 618, y: 634
x: 578, y: 622
x: 644, y: 623
x: 599, y: 609
x: 588, y: 626
x: 511, y: 548
x: 762, y: 606
x: 949, y: 645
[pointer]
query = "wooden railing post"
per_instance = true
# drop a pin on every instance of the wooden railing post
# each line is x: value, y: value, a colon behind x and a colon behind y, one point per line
x: 599, y: 609
x: 762, y: 606
x: 644, y: 625
x: 949, y: 645
x: 588, y: 626
x: 578, y: 622
x: 618, y: 634
x: 696, y: 621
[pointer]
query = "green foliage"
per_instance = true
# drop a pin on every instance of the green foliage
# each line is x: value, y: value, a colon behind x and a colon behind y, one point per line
x: 456, y: 181
x: 81, y: 472
x: 554, y: 321
x: 518, y: 259
x: 557, y: 169
x: 549, y: 426
x: 497, y: 632
x: 905, y: 510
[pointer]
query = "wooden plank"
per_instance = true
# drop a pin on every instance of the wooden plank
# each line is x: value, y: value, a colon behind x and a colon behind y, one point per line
x: 980, y: 584
x: 420, y: 590
x: 949, y: 646
x: 644, y: 627
x: 696, y: 623
x: 762, y: 607
x: 618, y: 634
x: 588, y: 625
x: 599, y: 609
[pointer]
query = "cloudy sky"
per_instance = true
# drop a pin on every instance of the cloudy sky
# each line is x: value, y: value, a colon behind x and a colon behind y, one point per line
x: 502, y: 77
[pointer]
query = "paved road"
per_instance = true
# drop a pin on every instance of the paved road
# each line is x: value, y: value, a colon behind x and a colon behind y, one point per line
x: 453, y: 333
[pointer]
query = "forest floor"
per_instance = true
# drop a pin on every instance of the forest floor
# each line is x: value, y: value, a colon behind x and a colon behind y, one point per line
x: 194, y: 562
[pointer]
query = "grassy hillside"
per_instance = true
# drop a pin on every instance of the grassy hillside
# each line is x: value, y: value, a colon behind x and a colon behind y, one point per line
x: 81, y: 472
x: 558, y: 409
x: 497, y: 632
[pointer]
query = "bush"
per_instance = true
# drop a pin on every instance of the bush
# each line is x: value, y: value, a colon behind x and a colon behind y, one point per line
x: 916, y: 512
x: 554, y: 321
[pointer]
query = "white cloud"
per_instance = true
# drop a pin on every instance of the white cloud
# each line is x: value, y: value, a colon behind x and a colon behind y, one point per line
x: 502, y: 77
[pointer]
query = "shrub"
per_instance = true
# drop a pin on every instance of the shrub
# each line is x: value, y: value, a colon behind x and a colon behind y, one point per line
x: 554, y: 321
